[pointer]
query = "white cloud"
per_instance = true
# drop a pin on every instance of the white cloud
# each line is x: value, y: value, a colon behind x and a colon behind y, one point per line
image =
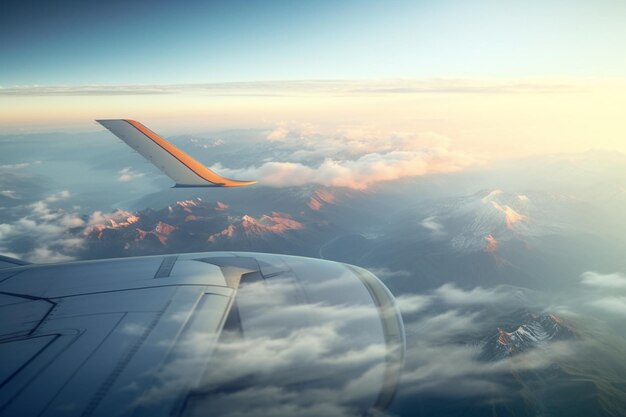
x: 289, y: 87
x: 356, y: 173
x: 9, y: 194
x: 412, y: 303
x: 44, y: 254
x: 433, y: 368
x: 128, y: 174
x: 435, y: 228
x: 14, y: 166
x: 385, y: 273
x: 453, y: 295
x: 598, y: 280
x: 614, y: 305
x: 48, y: 230
x: 315, y: 341
x: 61, y: 195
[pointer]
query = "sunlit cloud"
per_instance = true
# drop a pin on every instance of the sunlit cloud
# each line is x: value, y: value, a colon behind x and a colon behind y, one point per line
x: 358, y: 173
x: 339, y: 87
x: 279, y: 133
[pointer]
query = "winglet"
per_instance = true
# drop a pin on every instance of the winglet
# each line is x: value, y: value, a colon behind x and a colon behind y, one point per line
x: 176, y: 164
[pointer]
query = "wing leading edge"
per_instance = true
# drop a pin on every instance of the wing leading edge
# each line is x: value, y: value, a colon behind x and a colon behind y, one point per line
x: 176, y: 164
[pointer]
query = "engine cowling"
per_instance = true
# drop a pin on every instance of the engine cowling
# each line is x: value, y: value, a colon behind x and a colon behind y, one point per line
x: 307, y: 332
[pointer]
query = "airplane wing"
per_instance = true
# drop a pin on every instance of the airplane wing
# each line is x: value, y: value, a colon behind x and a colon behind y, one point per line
x: 176, y: 164
x: 85, y: 338
x: 134, y: 337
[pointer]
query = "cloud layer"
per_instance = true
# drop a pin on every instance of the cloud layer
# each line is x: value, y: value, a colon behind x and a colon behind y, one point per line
x: 351, y: 158
x: 338, y: 87
x: 44, y: 234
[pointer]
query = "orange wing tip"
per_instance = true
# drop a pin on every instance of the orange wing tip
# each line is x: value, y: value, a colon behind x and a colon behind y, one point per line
x: 231, y: 185
x: 212, y: 178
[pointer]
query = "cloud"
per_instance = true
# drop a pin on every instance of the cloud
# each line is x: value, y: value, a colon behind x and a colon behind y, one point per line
x: 356, y: 173
x: 14, y: 166
x: 278, y: 134
x: 45, y: 254
x: 311, y: 359
x: 434, y: 368
x: 86, y: 90
x: 614, y: 305
x: 453, y: 295
x: 608, y: 281
x: 45, y: 234
x: 128, y: 174
x: 609, y: 295
x: 412, y: 303
x: 386, y: 274
x: 9, y: 194
x: 436, y: 229
x: 333, y: 87
x: 61, y: 195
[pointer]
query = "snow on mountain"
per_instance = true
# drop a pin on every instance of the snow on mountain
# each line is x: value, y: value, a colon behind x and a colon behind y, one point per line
x: 523, y: 331
x: 320, y: 198
x: 277, y: 223
x: 485, y: 220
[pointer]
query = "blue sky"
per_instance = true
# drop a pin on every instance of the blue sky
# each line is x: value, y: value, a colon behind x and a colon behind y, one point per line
x: 158, y: 42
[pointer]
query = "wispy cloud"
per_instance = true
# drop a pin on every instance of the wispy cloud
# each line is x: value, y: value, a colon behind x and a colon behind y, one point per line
x: 608, y: 293
x: 14, y: 166
x: 611, y: 304
x: 9, y: 194
x: 453, y: 295
x: 86, y: 90
x: 595, y: 279
x: 336, y: 87
x: 436, y: 229
x: 128, y: 174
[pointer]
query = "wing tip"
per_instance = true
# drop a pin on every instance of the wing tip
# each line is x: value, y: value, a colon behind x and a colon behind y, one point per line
x: 232, y: 184
x: 217, y: 181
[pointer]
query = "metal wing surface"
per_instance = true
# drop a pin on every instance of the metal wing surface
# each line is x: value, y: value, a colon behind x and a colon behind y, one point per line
x: 107, y: 337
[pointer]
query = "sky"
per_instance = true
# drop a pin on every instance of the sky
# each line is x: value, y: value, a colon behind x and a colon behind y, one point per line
x: 503, y: 71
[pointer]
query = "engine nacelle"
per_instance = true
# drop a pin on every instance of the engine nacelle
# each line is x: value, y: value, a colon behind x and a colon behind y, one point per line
x: 310, y: 332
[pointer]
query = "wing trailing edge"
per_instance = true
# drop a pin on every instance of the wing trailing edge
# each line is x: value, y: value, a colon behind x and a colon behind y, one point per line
x: 176, y: 164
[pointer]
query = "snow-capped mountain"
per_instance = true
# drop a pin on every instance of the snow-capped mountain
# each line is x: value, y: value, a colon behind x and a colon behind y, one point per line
x: 198, y: 225
x: 482, y: 221
x: 522, y: 331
